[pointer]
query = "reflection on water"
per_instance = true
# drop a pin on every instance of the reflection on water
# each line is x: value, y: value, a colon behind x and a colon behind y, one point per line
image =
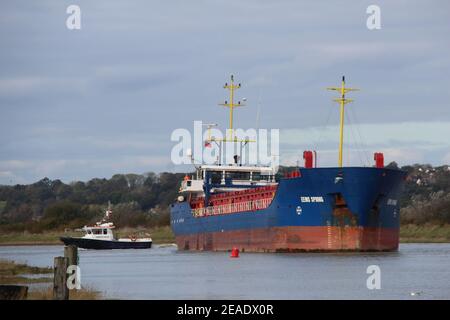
x: 165, y: 273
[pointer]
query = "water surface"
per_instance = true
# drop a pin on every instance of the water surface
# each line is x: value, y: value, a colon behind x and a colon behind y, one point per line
x: 417, y: 271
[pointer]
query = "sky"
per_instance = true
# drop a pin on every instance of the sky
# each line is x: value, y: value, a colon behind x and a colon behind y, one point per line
x: 104, y: 99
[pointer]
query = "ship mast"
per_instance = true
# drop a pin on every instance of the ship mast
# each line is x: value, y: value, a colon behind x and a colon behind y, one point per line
x: 342, y: 102
x: 230, y: 137
x: 230, y: 104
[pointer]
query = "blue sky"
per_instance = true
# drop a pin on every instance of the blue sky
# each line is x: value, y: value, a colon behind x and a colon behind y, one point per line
x: 78, y: 104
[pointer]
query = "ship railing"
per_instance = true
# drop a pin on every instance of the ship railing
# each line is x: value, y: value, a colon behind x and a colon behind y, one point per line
x: 251, y: 205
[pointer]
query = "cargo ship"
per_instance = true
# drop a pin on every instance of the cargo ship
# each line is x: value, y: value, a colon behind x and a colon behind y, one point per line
x: 252, y: 209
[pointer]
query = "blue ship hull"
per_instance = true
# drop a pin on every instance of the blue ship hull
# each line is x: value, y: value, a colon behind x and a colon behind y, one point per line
x: 325, y: 209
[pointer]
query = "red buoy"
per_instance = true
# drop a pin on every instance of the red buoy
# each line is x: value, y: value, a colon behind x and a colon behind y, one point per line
x: 235, y: 253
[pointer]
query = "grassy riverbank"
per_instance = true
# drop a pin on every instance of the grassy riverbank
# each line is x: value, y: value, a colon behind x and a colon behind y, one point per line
x: 159, y: 235
x: 425, y: 233
x: 47, y: 294
x: 16, y: 273
x: 12, y: 273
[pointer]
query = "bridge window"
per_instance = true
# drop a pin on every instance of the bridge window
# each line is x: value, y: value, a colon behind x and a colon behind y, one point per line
x: 238, y: 175
x: 216, y: 177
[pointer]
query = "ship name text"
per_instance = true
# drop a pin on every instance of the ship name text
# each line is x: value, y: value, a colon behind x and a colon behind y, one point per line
x: 311, y: 199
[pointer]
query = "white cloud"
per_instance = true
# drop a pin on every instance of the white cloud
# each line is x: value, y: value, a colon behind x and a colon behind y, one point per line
x: 72, y: 103
x: 446, y: 158
x: 8, y: 177
x: 405, y: 142
x: 15, y: 171
x: 419, y: 134
x: 15, y: 164
x: 40, y: 85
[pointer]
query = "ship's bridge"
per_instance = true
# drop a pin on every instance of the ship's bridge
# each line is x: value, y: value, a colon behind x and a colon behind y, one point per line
x: 228, y: 178
x: 221, y: 177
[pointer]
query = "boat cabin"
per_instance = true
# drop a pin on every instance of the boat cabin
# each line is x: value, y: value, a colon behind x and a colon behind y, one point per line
x: 100, y: 231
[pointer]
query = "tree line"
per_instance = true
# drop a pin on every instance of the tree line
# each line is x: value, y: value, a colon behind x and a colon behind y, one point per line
x: 136, y: 200
x: 143, y: 200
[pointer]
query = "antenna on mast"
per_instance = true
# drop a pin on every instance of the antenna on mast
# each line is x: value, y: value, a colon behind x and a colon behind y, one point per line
x: 342, y: 102
x: 230, y: 104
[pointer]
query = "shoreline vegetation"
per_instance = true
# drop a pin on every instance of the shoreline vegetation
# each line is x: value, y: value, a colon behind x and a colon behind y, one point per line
x: 163, y: 235
x: 39, y: 281
x: 425, y: 233
x: 159, y: 235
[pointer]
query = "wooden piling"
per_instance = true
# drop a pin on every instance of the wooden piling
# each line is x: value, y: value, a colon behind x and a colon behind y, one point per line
x: 71, y: 253
x: 60, y: 290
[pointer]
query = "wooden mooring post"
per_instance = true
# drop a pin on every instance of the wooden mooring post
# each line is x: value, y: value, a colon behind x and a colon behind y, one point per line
x: 60, y: 290
x: 71, y: 253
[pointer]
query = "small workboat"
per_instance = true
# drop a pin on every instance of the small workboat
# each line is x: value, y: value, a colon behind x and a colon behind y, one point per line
x: 101, y: 236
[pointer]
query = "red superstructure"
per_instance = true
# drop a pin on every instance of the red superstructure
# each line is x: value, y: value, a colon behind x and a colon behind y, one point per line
x: 234, y: 201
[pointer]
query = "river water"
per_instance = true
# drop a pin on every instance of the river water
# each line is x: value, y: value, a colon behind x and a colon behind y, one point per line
x: 416, y: 271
